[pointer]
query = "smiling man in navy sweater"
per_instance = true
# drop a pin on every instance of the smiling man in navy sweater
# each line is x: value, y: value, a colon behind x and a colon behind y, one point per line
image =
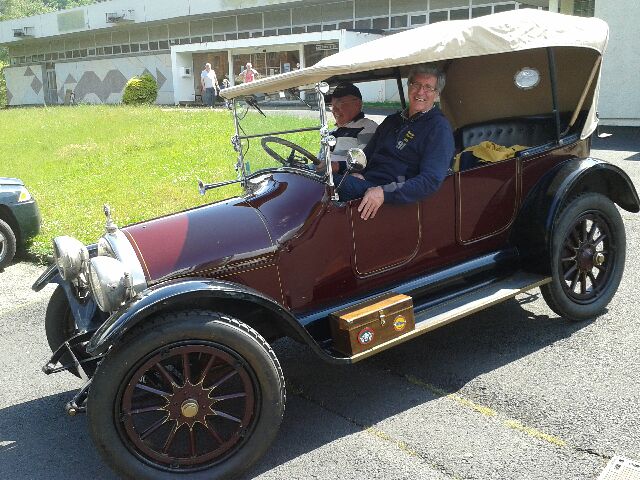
x: 410, y: 153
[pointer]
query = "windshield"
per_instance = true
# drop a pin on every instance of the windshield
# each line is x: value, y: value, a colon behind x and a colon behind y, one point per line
x: 279, y: 130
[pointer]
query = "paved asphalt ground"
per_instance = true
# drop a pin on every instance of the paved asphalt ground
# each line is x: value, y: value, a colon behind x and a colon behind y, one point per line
x: 513, y: 392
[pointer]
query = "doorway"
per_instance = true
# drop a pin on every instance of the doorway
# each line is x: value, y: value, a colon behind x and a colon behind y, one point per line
x: 50, y: 84
x: 219, y: 63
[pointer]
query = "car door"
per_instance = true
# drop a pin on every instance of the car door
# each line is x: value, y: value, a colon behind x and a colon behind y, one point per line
x: 487, y: 198
x: 389, y: 240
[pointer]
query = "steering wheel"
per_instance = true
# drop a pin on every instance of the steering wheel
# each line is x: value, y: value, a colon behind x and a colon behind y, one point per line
x: 303, y: 156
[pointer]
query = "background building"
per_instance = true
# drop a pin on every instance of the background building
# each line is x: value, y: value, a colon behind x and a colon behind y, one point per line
x: 93, y: 50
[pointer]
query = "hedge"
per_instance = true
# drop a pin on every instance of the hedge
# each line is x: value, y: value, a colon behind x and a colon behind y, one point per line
x: 140, y: 90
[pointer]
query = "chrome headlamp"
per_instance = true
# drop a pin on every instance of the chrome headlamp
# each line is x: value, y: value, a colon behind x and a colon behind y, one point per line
x: 110, y: 282
x: 70, y: 256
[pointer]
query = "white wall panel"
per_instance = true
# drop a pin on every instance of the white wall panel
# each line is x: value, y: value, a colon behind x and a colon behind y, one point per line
x: 24, y: 85
x: 619, y: 100
x: 103, y: 81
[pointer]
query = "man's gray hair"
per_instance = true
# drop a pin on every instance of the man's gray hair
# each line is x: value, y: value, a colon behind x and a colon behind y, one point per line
x: 428, y: 69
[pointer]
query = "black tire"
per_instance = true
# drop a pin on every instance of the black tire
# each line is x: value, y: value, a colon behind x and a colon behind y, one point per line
x: 587, y: 258
x: 146, y: 370
x: 60, y: 326
x: 7, y: 244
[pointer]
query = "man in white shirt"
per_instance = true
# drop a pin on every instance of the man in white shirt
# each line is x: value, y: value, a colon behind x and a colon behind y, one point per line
x: 209, y: 84
x: 352, y: 130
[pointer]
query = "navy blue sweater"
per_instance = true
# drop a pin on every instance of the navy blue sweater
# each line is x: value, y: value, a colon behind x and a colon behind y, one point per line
x: 410, y: 158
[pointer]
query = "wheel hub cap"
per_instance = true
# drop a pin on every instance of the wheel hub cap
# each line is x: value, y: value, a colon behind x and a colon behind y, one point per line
x: 598, y: 259
x: 586, y: 259
x: 189, y: 408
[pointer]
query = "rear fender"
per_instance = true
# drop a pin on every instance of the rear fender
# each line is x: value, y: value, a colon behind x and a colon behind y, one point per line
x: 200, y: 293
x: 537, y: 219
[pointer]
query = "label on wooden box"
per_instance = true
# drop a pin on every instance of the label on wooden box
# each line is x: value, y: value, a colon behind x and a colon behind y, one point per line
x: 372, y: 323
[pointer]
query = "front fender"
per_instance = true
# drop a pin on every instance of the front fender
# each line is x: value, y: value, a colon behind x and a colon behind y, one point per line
x: 189, y: 292
x: 542, y: 207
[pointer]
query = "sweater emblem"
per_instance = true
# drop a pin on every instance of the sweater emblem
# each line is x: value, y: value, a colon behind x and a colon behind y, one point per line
x: 405, y: 140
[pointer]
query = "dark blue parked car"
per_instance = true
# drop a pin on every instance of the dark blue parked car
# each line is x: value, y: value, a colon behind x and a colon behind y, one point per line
x: 19, y: 218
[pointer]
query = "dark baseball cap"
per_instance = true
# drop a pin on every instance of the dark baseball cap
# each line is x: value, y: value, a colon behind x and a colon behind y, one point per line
x: 345, y: 89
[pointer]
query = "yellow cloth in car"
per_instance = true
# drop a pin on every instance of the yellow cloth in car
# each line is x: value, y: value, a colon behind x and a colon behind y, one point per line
x: 489, y: 152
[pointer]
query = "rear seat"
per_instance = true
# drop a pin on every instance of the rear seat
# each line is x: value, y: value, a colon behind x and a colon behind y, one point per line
x: 526, y: 131
x: 532, y: 132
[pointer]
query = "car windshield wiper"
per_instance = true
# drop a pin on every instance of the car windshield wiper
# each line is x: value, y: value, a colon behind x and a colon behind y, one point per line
x: 252, y: 101
x: 293, y: 92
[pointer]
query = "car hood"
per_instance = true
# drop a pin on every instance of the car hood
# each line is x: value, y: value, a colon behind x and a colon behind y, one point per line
x: 11, y: 181
x: 200, y: 242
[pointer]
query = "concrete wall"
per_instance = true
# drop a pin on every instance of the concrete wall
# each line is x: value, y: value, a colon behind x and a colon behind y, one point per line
x: 103, y: 81
x: 619, y: 99
x: 92, y: 81
x: 24, y: 85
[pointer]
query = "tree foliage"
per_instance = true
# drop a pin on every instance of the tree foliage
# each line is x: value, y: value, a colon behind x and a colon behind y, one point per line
x: 25, y: 8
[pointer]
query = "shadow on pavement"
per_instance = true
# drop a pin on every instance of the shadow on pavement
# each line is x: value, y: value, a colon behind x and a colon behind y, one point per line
x: 39, y: 441
x: 330, y: 401
x: 325, y: 402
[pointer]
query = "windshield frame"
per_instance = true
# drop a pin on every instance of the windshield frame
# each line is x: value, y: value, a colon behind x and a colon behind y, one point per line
x: 326, y: 139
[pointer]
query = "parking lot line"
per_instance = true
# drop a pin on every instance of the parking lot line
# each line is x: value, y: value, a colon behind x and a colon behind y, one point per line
x: 487, y: 411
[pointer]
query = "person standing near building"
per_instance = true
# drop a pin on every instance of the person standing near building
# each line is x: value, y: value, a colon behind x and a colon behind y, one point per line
x: 209, y: 84
x: 249, y: 74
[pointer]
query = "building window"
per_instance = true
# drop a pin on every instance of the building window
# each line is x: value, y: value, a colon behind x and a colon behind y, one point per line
x: 144, y: 47
x: 346, y: 25
x: 99, y: 50
x: 418, y: 19
x: 242, y: 35
x: 363, y: 24
x: 218, y: 38
x: 231, y: 36
x: 435, y: 17
x: 284, y: 31
x: 91, y: 52
x: 399, y: 21
x: 332, y: 26
x: 459, y: 14
x: 293, y: 30
x: 153, y: 45
x: 381, y: 23
x: 207, y: 38
x: 125, y: 49
x: 503, y: 8
x: 135, y: 47
x: 313, y: 28
x: 107, y: 51
x: 270, y: 33
x: 480, y: 11
x: 583, y: 8
x: 116, y: 49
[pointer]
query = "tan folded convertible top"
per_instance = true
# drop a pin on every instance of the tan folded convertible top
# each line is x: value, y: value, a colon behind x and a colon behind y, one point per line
x: 580, y: 43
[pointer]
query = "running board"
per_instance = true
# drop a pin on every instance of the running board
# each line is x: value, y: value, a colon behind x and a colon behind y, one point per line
x: 460, y: 307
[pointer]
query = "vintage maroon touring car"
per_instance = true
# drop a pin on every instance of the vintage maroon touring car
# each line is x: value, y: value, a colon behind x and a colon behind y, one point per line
x: 169, y: 321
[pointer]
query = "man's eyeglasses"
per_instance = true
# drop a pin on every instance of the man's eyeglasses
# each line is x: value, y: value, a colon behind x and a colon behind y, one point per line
x: 420, y: 86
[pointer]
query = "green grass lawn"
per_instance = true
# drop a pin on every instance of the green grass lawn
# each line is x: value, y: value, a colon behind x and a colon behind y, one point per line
x: 143, y: 161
